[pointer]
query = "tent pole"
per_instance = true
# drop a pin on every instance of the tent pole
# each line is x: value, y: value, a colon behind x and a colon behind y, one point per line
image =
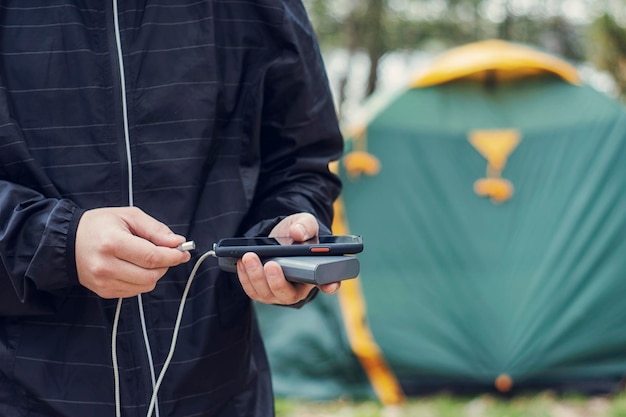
x: 362, y: 342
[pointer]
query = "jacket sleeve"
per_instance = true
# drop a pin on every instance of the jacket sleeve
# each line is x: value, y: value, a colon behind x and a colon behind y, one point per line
x: 37, y: 235
x: 299, y: 132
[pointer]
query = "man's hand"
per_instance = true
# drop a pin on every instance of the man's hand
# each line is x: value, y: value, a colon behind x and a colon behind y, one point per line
x: 123, y: 252
x: 267, y: 283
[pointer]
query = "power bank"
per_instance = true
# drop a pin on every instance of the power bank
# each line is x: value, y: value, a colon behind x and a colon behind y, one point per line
x: 308, y: 269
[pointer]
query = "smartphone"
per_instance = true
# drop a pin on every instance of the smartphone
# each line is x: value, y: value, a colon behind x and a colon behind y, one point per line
x: 327, y: 245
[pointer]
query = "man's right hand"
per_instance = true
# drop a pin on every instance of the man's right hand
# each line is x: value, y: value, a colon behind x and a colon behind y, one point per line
x: 122, y: 252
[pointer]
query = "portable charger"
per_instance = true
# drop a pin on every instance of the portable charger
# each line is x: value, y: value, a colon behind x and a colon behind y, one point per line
x: 308, y: 269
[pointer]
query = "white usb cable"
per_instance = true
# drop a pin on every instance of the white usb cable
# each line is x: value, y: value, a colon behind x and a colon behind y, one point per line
x: 190, y: 245
x: 181, y: 307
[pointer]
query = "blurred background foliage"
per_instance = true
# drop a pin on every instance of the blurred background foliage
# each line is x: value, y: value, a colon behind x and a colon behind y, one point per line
x: 590, y: 32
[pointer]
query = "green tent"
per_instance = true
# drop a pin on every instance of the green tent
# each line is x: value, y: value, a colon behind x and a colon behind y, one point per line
x: 491, y: 196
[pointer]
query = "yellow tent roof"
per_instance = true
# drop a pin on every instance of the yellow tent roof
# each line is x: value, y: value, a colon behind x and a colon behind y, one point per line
x: 493, y: 58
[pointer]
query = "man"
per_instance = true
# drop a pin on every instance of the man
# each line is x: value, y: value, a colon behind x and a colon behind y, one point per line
x: 125, y: 129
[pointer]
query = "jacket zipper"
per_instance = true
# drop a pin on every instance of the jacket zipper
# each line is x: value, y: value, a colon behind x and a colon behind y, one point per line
x: 128, y: 170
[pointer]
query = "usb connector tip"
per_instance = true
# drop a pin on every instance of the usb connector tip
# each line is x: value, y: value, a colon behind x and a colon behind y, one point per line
x: 187, y: 246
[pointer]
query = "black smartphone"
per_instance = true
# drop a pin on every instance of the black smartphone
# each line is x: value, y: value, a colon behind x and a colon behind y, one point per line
x: 326, y: 245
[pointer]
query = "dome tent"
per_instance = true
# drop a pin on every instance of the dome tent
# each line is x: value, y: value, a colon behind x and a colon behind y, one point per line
x: 489, y: 194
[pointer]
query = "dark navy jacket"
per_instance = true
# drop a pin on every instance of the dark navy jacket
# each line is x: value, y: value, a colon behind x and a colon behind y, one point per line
x: 230, y: 125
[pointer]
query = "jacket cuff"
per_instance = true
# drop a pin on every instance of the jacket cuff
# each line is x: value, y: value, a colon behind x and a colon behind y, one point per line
x: 53, y: 266
x: 70, y: 247
x: 263, y: 228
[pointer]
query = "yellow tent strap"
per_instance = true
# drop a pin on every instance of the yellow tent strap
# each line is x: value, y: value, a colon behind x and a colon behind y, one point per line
x: 362, y: 342
x: 359, y: 161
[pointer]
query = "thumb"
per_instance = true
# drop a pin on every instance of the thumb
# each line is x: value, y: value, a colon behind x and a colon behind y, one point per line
x: 299, y: 227
x: 303, y: 227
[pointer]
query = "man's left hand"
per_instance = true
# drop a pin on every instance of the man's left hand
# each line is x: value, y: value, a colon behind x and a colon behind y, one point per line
x: 266, y: 283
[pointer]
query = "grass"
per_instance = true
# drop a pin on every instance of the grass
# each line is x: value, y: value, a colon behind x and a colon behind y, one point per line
x: 544, y: 404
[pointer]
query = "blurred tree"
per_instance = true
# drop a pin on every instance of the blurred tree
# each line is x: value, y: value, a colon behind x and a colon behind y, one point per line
x: 607, y: 49
x: 374, y: 39
x: 376, y: 27
x: 326, y: 22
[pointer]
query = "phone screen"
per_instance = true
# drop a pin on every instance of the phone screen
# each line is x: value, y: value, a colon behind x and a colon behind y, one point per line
x: 263, y: 241
x: 285, y: 246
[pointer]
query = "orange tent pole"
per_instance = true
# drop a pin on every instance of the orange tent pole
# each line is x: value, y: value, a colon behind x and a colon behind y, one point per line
x: 361, y: 340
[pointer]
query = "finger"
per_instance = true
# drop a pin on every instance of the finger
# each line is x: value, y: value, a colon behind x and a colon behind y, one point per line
x: 256, y: 281
x: 330, y: 288
x: 109, y: 276
x: 147, y: 227
x: 283, y: 291
x: 121, y: 289
x: 250, y: 265
x: 267, y: 283
x: 147, y: 255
